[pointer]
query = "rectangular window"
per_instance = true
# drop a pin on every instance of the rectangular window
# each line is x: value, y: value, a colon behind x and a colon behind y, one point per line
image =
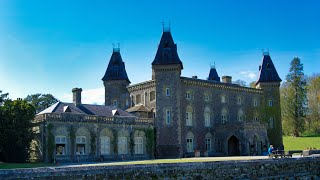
x: 138, y: 145
x: 152, y: 95
x: 206, y: 97
x: 270, y: 103
x: 168, y: 117
x: 115, y: 103
x: 189, y: 145
x: 188, y: 95
x: 60, y: 145
x: 223, y: 118
x: 239, y: 100
x: 208, y: 144
x: 189, y: 119
x: 122, y: 145
x: 207, y: 119
x: 105, y: 145
x: 167, y: 92
x: 255, y: 103
x: 223, y: 99
x: 80, y: 145
x: 271, y: 122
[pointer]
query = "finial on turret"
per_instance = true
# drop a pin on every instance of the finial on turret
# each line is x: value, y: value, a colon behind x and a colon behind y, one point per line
x: 265, y: 53
x: 166, y: 28
x: 116, y: 49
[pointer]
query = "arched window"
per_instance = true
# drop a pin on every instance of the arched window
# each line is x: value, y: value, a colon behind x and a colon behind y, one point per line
x: 106, y: 137
x: 61, y: 135
x: 123, y: 142
x: 138, y: 99
x: 240, y: 115
x: 189, y: 113
x: 208, y: 142
x: 152, y: 95
x: 207, y: 117
x: 139, y: 137
x: 224, y: 115
x: 189, y: 141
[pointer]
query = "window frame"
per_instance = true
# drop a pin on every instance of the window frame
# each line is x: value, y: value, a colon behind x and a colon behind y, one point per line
x: 207, y: 119
x: 208, y: 144
x: 60, y: 144
x: 188, y: 118
x: 189, y: 144
x: 105, y: 147
x: 138, y: 145
x: 168, y: 116
x: 80, y: 144
x: 188, y: 95
x: 122, y: 145
x: 168, y: 92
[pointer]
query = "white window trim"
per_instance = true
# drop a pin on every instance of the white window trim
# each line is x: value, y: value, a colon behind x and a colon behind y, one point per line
x: 188, y: 95
x: 81, y: 140
x: 208, y: 144
x: 255, y: 103
x: 207, y: 121
x: 189, y: 144
x: 168, y: 117
x: 105, y: 145
x: 138, y: 145
x: 188, y: 118
x: 58, y: 140
x: 223, y: 99
x: 123, y: 145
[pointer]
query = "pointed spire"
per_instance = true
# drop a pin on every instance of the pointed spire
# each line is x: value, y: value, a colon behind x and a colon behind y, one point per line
x: 213, y: 74
x: 167, y: 50
x: 116, y: 69
x: 268, y: 72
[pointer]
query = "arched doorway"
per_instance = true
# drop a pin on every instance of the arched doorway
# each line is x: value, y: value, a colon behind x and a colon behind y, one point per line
x: 233, y: 146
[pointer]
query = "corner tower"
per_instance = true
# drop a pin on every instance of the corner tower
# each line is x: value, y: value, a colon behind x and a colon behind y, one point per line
x: 115, y: 81
x: 166, y: 71
x: 269, y: 81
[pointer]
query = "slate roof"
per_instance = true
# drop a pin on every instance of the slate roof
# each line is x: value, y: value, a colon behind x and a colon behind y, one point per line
x: 167, y: 51
x: 116, y: 69
x: 138, y: 108
x: 88, y: 109
x: 213, y: 75
x: 268, y: 72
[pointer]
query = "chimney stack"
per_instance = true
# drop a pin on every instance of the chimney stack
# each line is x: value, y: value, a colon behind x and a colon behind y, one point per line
x: 76, y: 96
x: 227, y: 79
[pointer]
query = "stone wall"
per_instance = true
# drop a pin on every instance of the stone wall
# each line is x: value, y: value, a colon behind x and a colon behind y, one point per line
x: 301, y: 168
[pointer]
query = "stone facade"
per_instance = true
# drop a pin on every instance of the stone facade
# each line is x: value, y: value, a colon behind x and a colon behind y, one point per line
x: 213, y: 117
x: 190, y: 116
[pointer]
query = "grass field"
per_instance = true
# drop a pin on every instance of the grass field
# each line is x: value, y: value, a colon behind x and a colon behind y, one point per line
x: 300, y: 143
x: 23, y: 165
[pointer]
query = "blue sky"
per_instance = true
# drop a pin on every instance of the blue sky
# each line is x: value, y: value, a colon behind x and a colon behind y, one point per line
x: 54, y: 46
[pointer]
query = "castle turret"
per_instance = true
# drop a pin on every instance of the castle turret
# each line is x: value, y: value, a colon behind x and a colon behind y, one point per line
x: 166, y: 71
x: 116, y: 81
x: 213, y: 75
x: 269, y: 81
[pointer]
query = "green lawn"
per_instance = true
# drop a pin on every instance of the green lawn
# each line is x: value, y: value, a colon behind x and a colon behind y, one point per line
x: 23, y: 165
x: 300, y: 143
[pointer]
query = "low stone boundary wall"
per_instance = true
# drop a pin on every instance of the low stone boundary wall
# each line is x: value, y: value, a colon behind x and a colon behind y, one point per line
x: 287, y: 168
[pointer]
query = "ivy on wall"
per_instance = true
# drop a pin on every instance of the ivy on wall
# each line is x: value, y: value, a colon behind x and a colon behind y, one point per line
x: 72, y: 135
x: 93, y: 142
x: 131, y: 143
x: 51, y: 143
x: 150, y: 136
x: 115, y: 141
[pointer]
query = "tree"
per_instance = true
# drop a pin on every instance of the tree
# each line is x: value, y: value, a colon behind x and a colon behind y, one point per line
x: 16, y: 130
x: 294, y: 97
x: 313, y: 115
x: 3, y: 97
x: 240, y: 82
x: 41, y: 101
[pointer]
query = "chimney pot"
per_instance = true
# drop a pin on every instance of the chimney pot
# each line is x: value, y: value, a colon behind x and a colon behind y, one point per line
x: 227, y: 79
x: 77, y: 96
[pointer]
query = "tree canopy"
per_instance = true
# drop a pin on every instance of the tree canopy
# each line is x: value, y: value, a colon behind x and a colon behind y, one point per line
x: 294, y: 99
x: 16, y: 130
x: 41, y: 101
x: 3, y: 97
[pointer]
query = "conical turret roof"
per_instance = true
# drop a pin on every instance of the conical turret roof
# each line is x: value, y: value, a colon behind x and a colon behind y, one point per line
x: 213, y: 75
x: 167, y: 51
x: 268, y: 72
x: 116, y: 69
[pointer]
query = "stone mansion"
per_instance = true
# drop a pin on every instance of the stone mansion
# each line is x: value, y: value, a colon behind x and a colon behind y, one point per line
x: 169, y: 116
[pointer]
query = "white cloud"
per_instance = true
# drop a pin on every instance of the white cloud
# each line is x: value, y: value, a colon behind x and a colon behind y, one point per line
x: 249, y: 74
x: 88, y: 96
